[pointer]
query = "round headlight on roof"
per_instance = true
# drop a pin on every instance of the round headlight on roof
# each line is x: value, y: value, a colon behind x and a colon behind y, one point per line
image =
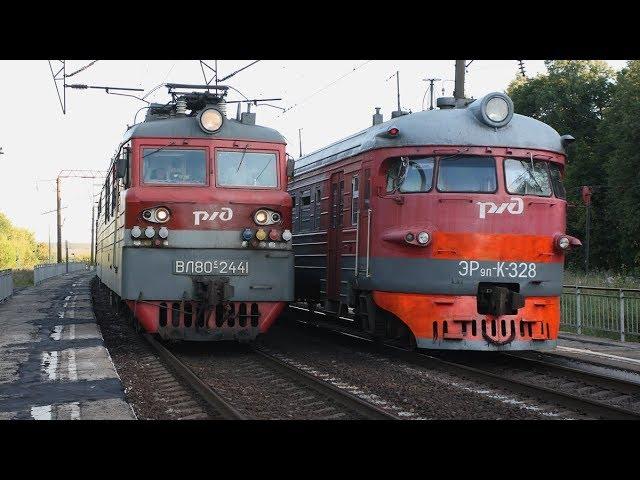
x: 497, y: 109
x: 210, y: 120
x: 494, y: 109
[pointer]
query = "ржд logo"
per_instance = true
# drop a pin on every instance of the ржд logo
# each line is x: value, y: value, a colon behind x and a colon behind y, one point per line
x: 515, y: 207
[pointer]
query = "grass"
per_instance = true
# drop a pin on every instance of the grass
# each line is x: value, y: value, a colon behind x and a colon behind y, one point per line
x: 22, y: 278
x: 601, y: 279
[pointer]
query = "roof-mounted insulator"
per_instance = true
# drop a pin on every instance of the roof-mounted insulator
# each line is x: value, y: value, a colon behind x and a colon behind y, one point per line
x: 377, y: 117
x: 181, y: 107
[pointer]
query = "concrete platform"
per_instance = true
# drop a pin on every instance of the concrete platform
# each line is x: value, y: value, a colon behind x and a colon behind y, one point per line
x: 604, y: 351
x: 53, y: 363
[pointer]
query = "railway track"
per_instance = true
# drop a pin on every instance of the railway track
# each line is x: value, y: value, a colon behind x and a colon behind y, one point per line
x: 313, y: 397
x: 594, y: 395
x: 208, y: 394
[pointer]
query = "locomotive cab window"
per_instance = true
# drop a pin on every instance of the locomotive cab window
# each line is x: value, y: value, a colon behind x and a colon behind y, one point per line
x: 556, y: 181
x: 467, y: 174
x: 524, y: 177
x: 410, y: 174
x: 169, y: 166
x: 241, y: 168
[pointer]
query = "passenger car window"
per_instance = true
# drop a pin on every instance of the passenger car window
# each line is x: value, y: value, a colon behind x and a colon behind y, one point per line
x: 240, y: 168
x: 467, y: 174
x: 174, y: 166
x: 524, y: 177
x: 556, y: 181
x: 410, y: 174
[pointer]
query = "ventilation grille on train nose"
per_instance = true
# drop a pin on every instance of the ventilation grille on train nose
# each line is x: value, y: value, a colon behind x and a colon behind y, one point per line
x: 246, y: 314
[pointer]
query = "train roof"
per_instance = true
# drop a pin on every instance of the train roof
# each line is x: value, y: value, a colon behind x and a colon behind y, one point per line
x: 181, y: 126
x: 456, y: 126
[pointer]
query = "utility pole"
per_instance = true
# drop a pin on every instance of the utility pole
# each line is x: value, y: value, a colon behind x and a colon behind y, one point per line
x: 59, y: 220
x: 458, y: 91
x: 93, y: 222
x: 300, y: 140
x: 70, y: 174
x: 95, y: 246
x: 66, y: 243
x: 431, y: 80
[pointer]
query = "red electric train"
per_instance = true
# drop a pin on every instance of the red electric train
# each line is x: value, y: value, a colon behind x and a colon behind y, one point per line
x: 194, y: 221
x: 442, y: 228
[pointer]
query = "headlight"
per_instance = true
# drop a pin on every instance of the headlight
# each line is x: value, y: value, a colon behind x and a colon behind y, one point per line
x: 286, y: 235
x: 564, y: 243
x: 136, y: 232
x: 157, y: 214
x: 210, y: 120
x: 261, y: 217
x: 423, y: 238
x: 266, y: 217
x: 494, y: 109
x: 149, y: 232
x: 162, y: 214
x: 163, y: 232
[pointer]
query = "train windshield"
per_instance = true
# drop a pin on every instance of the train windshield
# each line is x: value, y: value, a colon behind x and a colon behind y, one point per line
x: 526, y: 177
x: 556, y: 180
x: 240, y: 168
x: 174, y: 166
x: 467, y: 174
x: 410, y: 174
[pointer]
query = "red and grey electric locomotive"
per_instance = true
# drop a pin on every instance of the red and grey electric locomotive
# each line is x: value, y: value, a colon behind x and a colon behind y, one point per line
x: 442, y: 228
x: 194, y: 223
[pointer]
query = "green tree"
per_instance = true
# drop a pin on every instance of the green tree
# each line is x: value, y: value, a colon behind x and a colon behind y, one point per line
x: 18, y: 247
x: 573, y: 97
x: 619, y: 142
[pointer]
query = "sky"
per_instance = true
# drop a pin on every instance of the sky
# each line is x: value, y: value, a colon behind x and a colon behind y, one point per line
x: 327, y: 99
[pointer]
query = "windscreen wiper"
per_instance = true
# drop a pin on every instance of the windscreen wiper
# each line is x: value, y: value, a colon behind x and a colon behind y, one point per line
x: 265, y: 167
x: 157, y: 150
x: 244, y: 152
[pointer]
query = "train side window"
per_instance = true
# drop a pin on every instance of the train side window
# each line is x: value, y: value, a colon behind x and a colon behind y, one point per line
x: 305, y: 211
x: 523, y: 177
x: 114, y: 190
x: 556, y: 181
x: 355, y: 199
x: 107, y: 197
x: 467, y: 174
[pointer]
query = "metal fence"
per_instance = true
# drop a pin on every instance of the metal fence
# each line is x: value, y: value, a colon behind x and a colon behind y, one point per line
x: 601, y: 310
x: 48, y: 270
x: 6, y: 284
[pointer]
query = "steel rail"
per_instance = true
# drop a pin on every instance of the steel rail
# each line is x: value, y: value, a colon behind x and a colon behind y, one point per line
x: 567, y: 400
x: 346, y: 399
x: 599, y: 379
x: 208, y: 394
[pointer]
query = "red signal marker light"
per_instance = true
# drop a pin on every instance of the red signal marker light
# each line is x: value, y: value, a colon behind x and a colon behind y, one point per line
x: 393, y: 131
x: 274, y: 235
